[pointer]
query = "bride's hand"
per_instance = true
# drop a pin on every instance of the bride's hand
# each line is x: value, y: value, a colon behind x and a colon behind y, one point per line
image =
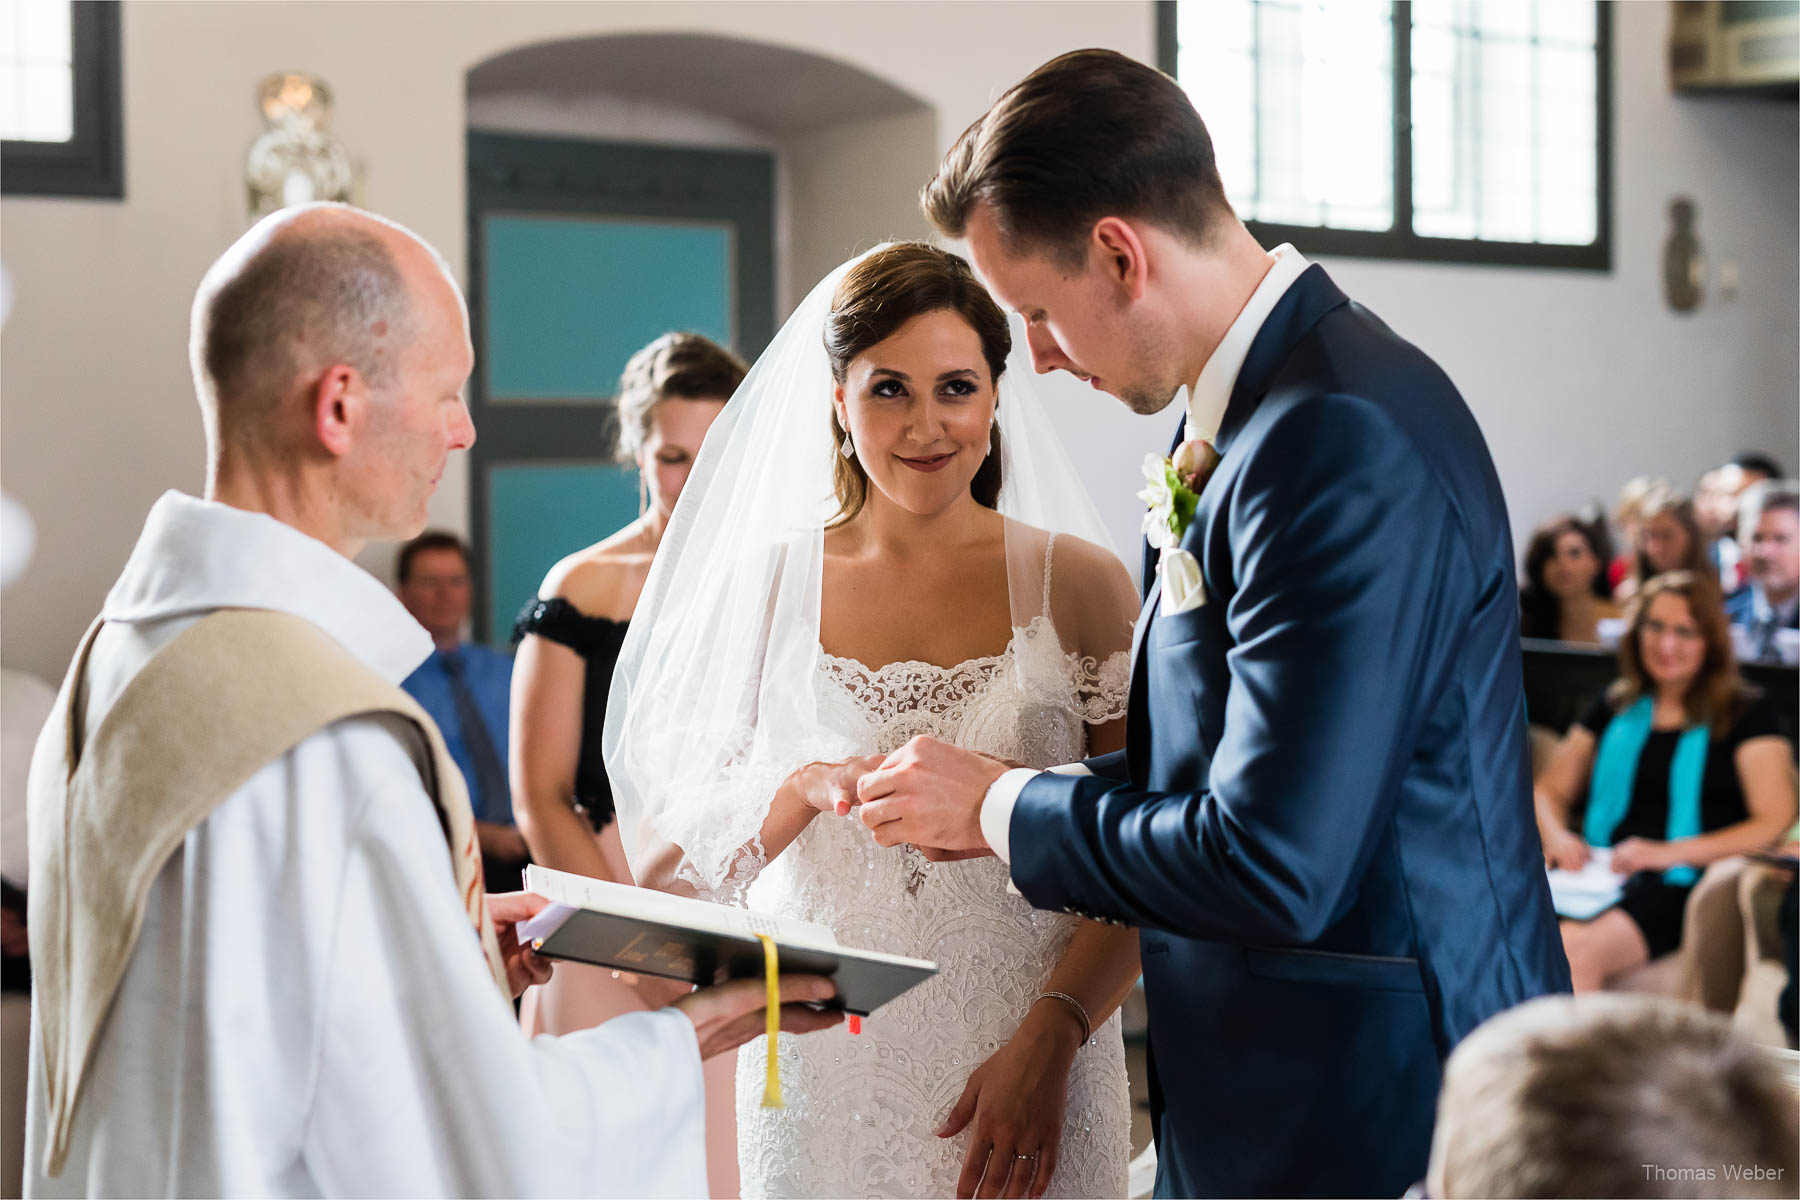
x: 1013, y: 1106
x: 831, y: 787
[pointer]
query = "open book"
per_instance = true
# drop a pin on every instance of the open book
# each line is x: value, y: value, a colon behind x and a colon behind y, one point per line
x: 654, y: 933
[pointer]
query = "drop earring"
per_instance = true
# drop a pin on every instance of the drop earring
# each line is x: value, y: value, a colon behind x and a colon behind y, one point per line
x: 848, y: 449
x: 643, y: 493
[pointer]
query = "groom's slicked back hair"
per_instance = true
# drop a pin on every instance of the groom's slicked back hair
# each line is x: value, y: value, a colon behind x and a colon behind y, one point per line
x: 1089, y: 134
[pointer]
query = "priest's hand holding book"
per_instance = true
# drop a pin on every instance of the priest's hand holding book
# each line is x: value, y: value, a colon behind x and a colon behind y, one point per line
x: 724, y: 1017
x: 729, y: 1014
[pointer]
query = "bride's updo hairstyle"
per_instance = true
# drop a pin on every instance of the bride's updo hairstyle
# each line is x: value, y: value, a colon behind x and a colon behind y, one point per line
x: 874, y: 299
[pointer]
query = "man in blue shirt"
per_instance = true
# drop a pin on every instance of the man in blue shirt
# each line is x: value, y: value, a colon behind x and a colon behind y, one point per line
x: 1767, y: 609
x: 466, y: 687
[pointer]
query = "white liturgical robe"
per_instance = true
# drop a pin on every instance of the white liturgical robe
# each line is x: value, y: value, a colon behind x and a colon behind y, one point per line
x: 303, y: 1014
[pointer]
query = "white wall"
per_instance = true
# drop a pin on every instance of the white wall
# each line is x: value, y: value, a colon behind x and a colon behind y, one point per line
x: 1579, y: 380
x: 855, y: 186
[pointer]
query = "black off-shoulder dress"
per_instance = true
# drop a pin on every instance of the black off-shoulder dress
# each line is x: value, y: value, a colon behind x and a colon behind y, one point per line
x: 598, y: 641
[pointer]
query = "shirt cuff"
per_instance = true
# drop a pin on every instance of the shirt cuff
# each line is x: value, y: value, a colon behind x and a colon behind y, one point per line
x: 1003, y: 796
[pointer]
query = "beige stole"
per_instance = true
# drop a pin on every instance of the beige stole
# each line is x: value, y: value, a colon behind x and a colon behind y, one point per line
x: 229, y: 695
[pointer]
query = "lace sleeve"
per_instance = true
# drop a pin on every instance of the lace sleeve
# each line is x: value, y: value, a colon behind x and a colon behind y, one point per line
x: 1090, y: 598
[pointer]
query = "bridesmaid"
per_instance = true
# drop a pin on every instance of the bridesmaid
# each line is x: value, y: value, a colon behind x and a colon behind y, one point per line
x: 569, y: 639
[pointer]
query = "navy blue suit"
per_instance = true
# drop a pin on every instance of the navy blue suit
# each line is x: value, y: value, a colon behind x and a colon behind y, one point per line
x: 1322, y: 821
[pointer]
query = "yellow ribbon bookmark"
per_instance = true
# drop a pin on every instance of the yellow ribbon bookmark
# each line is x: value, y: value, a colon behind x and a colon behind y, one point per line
x: 772, y: 971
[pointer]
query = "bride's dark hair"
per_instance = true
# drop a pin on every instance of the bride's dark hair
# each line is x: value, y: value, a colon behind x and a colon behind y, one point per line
x: 874, y: 299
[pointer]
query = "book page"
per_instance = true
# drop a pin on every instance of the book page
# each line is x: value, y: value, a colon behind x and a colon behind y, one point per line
x: 582, y: 891
x: 1596, y: 887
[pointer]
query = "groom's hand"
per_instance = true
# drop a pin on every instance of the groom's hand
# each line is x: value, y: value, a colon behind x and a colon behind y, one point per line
x: 929, y: 793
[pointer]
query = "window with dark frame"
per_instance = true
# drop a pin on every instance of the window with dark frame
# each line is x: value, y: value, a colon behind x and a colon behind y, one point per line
x: 1476, y: 131
x: 61, y: 128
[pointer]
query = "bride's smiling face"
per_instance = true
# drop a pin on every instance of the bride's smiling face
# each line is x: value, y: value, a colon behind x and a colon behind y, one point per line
x: 919, y: 407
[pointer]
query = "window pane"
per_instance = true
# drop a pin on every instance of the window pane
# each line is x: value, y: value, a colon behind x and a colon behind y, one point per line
x: 36, y: 77
x: 1504, y: 120
x: 1298, y: 97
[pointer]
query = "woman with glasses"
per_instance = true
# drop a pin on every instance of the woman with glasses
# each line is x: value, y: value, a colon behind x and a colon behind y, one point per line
x: 1679, y: 764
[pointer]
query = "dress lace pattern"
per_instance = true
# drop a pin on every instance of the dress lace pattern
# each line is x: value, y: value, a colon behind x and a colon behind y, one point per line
x: 862, y: 1111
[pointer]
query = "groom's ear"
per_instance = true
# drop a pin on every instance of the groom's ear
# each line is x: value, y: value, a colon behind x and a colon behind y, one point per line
x: 1120, y: 252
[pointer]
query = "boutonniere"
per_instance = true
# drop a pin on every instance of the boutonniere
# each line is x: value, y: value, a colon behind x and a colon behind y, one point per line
x: 1175, y: 482
x: 1170, y: 501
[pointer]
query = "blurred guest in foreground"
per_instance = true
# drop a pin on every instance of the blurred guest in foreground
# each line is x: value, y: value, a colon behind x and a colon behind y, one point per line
x: 1767, y: 609
x: 1681, y: 764
x: 569, y: 639
x: 1627, y: 517
x: 1668, y: 539
x: 1612, y: 1096
x: 1564, y: 596
x: 466, y: 687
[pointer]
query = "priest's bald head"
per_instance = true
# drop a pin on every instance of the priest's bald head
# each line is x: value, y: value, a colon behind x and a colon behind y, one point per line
x: 330, y: 348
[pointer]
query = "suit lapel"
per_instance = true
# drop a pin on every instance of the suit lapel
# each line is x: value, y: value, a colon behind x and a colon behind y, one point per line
x: 1302, y: 306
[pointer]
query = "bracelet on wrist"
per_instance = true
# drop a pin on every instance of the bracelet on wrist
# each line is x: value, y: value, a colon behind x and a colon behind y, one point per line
x: 1081, y: 1013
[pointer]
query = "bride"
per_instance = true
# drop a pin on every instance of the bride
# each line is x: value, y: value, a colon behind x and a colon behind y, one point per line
x: 882, y: 539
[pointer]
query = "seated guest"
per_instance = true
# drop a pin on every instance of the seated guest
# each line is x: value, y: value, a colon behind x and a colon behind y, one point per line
x: 1564, y: 596
x: 1716, y: 512
x: 1668, y: 539
x: 1681, y: 765
x: 1717, y: 508
x: 1627, y: 514
x: 1754, y: 467
x: 466, y: 687
x: 1612, y: 1096
x: 1770, y: 602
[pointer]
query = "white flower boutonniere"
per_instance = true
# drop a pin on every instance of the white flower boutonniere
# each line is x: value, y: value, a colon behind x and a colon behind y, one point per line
x: 1168, y: 504
x: 1170, y: 501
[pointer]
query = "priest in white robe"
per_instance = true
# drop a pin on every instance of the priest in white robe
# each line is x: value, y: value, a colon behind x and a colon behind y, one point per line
x: 306, y: 1008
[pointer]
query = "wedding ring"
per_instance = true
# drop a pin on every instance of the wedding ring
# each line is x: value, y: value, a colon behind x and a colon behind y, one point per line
x: 1026, y: 1157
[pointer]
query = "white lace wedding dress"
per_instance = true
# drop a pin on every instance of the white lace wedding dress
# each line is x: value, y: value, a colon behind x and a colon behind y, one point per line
x: 861, y: 1111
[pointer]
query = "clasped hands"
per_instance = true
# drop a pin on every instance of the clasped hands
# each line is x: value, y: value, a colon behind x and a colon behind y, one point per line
x: 1568, y: 851
x: 927, y: 793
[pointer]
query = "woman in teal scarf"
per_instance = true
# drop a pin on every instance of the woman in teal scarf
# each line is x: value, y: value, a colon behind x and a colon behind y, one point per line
x: 1678, y: 765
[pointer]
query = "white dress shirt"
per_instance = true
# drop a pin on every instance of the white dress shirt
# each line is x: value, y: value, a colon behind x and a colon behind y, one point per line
x: 302, y: 1015
x: 1206, y: 412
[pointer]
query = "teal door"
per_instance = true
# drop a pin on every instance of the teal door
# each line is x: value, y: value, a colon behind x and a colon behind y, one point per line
x: 579, y: 253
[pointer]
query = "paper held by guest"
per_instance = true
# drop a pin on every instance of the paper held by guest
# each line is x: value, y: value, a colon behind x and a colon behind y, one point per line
x: 1584, y: 894
x: 654, y: 933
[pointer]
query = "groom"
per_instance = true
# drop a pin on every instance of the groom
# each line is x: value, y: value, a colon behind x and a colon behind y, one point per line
x: 1322, y: 820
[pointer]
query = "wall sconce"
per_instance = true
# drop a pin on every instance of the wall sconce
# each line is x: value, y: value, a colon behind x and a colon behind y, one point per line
x: 1684, y: 268
x: 295, y: 160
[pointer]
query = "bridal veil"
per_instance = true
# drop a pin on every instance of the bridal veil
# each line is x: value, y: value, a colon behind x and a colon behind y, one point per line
x: 714, y: 701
